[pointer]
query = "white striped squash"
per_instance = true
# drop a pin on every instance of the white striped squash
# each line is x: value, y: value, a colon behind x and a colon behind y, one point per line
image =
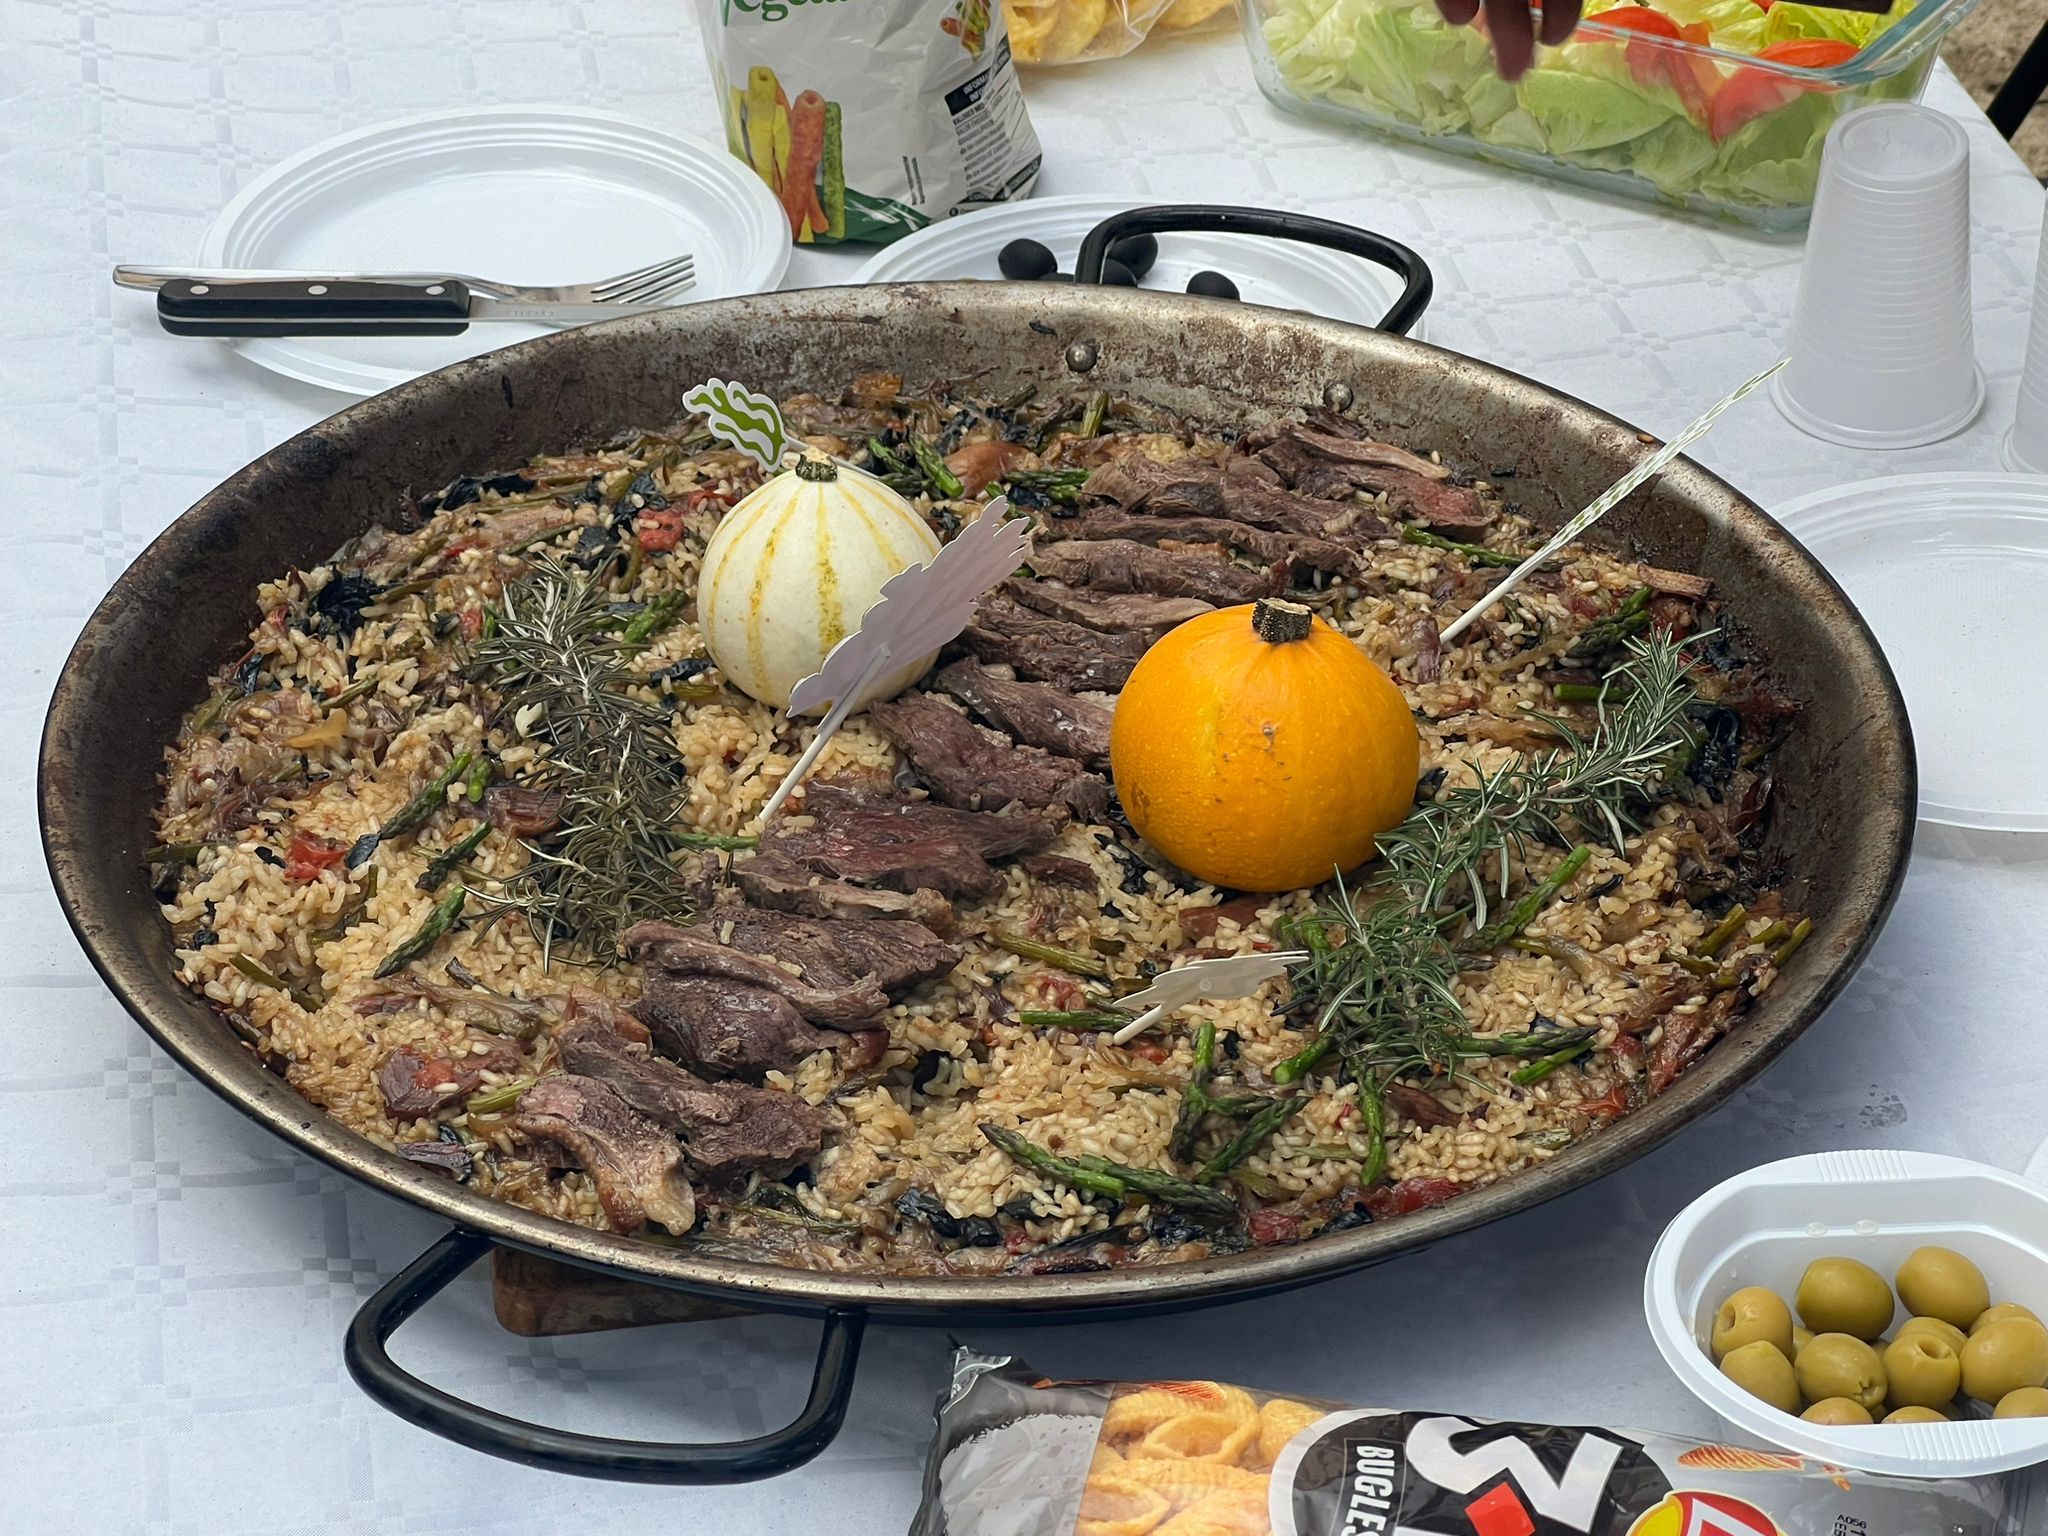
x: 791, y: 569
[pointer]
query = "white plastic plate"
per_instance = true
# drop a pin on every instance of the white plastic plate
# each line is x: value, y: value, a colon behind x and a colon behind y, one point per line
x: 1765, y: 1226
x: 1282, y: 274
x: 542, y: 195
x: 1951, y: 573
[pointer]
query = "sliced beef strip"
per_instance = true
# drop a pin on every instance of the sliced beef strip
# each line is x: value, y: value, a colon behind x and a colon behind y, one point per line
x: 729, y: 1128
x: 1315, y: 464
x: 895, y: 953
x: 1240, y: 490
x: 978, y: 769
x: 908, y: 845
x: 1056, y: 869
x: 1300, y: 551
x: 1419, y: 1105
x: 1121, y: 565
x: 636, y: 1164
x: 1052, y: 650
x: 1037, y: 714
x: 677, y: 951
x: 522, y: 812
x: 725, y: 1028
x: 1132, y: 613
x: 772, y: 881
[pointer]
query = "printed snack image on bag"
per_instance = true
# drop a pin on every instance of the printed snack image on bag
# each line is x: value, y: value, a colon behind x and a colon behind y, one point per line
x: 871, y: 118
x: 1018, y: 1455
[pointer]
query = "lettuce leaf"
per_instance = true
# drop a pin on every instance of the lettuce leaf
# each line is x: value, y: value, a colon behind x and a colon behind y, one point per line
x: 1416, y: 66
x: 1588, y: 106
x: 1774, y: 161
x: 1787, y: 20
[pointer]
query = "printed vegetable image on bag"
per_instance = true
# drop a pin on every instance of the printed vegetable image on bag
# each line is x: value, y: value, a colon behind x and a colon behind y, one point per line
x: 871, y: 118
x: 1018, y: 1455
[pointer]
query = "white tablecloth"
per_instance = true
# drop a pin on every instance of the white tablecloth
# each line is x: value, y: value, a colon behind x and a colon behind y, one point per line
x: 173, y: 1283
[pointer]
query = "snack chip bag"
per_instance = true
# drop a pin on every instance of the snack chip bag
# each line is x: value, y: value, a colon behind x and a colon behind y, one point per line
x: 870, y: 121
x: 1017, y: 1455
x: 1081, y: 31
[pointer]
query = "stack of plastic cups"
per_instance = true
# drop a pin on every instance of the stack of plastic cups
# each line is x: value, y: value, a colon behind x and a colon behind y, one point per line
x: 1881, y: 344
x: 2026, y: 446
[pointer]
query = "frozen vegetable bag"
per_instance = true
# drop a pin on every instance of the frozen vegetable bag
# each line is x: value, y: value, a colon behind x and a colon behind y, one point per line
x: 1017, y: 1455
x: 871, y: 118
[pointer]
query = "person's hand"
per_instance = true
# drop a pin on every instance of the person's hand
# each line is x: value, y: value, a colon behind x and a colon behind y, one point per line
x: 1513, y: 30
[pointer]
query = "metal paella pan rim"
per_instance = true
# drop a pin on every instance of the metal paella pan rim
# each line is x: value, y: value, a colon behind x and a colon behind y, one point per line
x: 1848, y: 774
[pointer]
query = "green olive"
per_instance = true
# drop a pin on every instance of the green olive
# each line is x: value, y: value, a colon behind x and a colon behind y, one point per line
x: 1801, y: 1337
x: 1949, y: 1333
x: 1939, y: 1282
x: 1844, y: 1296
x: 2003, y: 1357
x: 1916, y: 1415
x: 1837, y: 1410
x: 1752, y: 1313
x: 1840, y: 1365
x: 2023, y: 1403
x: 1921, y: 1371
x: 1761, y: 1369
x: 2000, y: 1313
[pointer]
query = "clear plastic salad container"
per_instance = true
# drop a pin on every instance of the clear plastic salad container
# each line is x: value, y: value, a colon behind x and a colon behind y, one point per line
x: 1716, y: 105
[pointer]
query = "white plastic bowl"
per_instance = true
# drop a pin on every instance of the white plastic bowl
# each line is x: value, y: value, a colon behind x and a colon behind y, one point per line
x: 1763, y: 1228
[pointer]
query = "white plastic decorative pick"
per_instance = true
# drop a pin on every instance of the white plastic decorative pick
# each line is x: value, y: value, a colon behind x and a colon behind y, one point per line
x: 1604, y: 503
x: 1203, y: 981
x: 920, y: 610
x: 749, y: 422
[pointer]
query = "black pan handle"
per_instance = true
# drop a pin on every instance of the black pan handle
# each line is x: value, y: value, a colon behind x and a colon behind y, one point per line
x: 1416, y: 283
x: 557, y: 1450
x: 313, y: 307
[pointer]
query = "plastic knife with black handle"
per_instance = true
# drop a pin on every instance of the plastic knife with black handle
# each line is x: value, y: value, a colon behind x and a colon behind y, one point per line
x: 337, y: 307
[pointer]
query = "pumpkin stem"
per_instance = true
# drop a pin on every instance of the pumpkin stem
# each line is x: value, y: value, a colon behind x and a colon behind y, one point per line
x: 817, y: 467
x: 1277, y: 621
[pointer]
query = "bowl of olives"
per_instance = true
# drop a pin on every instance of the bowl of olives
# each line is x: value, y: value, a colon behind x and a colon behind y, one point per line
x: 1882, y: 1310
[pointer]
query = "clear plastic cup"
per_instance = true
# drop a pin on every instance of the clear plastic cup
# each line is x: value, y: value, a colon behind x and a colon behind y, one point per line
x: 1881, y: 342
x: 2025, y: 448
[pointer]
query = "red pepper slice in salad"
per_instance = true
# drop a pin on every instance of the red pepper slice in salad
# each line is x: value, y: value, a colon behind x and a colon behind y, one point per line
x: 1754, y: 93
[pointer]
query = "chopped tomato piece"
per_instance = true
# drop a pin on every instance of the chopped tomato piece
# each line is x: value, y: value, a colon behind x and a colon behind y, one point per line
x: 1268, y: 1227
x: 1147, y: 1047
x: 1754, y: 93
x: 660, y: 531
x: 1410, y: 1195
x: 473, y: 621
x: 309, y: 855
x: 1652, y: 64
x: 1610, y: 1105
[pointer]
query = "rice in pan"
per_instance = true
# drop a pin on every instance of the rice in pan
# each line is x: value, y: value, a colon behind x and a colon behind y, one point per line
x: 857, y: 1140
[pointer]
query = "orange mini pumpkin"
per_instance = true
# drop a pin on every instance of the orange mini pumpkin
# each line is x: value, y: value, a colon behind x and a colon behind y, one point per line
x: 1259, y: 749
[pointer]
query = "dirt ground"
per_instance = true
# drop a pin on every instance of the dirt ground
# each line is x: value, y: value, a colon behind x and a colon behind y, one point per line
x: 1982, y: 52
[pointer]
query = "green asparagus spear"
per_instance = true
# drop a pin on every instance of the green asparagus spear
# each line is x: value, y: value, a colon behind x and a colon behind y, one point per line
x: 944, y: 483
x: 1077, y: 1019
x: 1537, y: 1070
x: 1091, y: 418
x: 1031, y: 1155
x: 1723, y: 931
x: 436, y: 874
x: 1790, y: 946
x: 1478, y: 554
x: 446, y: 911
x: 264, y: 976
x: 1630, y: 618
x: 427, y: 801
x: 725, y: 841
x: 495, y: 1101
x: 1249, y: 1140
x: 1523, y: 912
x: 1373, y: 1106
x: 179, y: 853
x: 650, y: 621
x: 1194, y: 1099
x: 1166, y: 1188
x: 1305, y: 1060
x: 1078, y: 961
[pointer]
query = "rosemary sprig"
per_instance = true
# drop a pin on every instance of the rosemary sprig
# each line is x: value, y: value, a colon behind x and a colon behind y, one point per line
x: 557, y: 651
x: 1383, y: 964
